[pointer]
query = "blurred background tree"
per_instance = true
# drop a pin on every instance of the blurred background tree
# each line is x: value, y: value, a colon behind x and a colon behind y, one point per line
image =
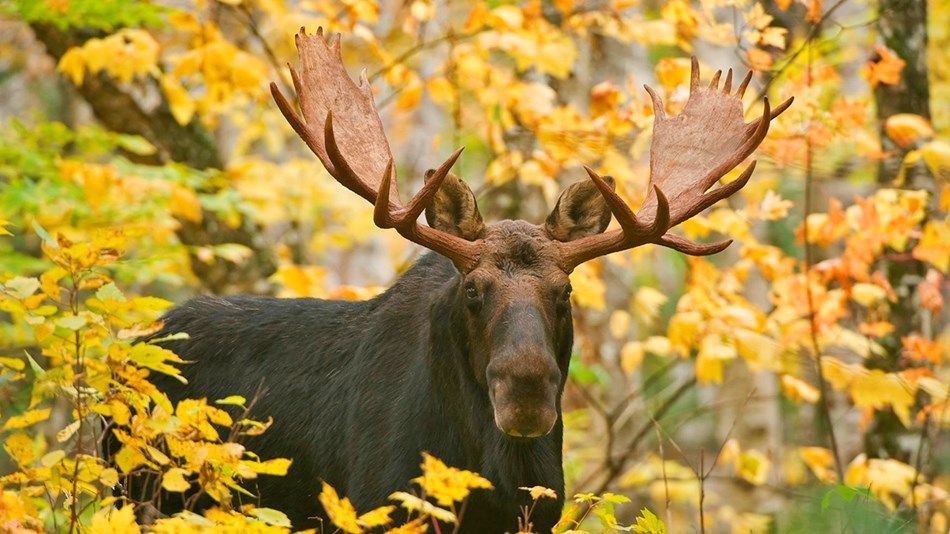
x: 757, y: 390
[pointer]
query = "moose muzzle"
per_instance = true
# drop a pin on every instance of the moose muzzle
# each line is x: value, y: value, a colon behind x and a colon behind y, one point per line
x: 524, y: 407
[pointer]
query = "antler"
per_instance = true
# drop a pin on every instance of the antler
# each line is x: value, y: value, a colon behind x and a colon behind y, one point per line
x: 689, y: 153
x: 338, y: 116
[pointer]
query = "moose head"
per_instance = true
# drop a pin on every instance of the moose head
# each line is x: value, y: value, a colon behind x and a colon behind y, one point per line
x: 512, y: 290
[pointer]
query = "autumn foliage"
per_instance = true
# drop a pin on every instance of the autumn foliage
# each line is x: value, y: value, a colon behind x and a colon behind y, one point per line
x: 799, y: 380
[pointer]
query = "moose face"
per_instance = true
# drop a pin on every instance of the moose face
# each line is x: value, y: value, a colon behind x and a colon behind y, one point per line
x: 516, y: 303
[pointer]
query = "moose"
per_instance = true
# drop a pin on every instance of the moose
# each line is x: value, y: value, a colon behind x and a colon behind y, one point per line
x: 466, y: 355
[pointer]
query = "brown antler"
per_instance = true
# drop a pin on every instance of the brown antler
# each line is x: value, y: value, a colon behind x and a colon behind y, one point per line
x: 689, y: 153
x: 340, y: 116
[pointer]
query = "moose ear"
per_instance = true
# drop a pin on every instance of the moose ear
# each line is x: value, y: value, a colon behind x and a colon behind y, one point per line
x: 580, y: 211
x: 454, y: 210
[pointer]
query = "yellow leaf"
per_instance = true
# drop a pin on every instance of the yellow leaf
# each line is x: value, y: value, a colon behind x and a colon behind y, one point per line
x: 936, y: 155
x: 112, y: 521
x: 619, y: 323
x: 415, y: 504
x: 713, y: 352
x: 819, y: 460
x: 180, y: 102
x: 877, y: 389
x: 410, y: 94
x: 377, y: 518
x: 418, y: 525
x: 340, y: 511
x: 631, y: 356
x: 20, y: 447
x: 174, y: 480
x: 538, y: 492
x: 867, y: 294
x: 886, y: 69
x: 589, y: 289
x: 683, y: 331
x: 440, y: 90
x: 73, y: 65
x: 907, y: 129
x: 799, y: 390
x: 184, y: 203
x: 672, y: 72
x: 934, y: 244
x: 446, y: 484
x: 28, y: 418
x: 752, y: 466
x: 648, y: 302
x: 274, y: 466
x: 759, y: 59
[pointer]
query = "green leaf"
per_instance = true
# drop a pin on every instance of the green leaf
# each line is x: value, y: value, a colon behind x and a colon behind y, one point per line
x: 37, y: 370
x: 72, y: 322
x: 172, y: 337
x: 649, y: 523
x: 135, y: 144
x: 110, y: 292
x: 44, y: 235
x: 272, y: 517
x: 21, y: 287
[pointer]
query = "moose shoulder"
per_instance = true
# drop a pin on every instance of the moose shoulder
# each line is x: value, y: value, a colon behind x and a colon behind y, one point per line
x: 466, y: 355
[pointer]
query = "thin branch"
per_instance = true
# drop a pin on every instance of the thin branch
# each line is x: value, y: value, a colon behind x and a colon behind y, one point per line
x: 616, y: 466
x: 421, y: 47
x: 823, y: 406
x: 806, y: 45
x: 702, y: 491
x: 666, y: 482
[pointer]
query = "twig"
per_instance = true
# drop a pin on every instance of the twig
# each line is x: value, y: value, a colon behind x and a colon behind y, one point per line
x: 666, y: 482
x: 725, y: 440
x: 702, y: 491
x: 421, y: 47
x: 807, y: 44
x: 616, y: 466
x: 268, y: 51
x: 812, y: 313
x: 924, y: 432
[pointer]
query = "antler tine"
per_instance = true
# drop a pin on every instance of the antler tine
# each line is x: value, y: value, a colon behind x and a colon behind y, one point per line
x: 693, y: 75
x: 692, y: 248
x: 287, y: 109
x: 714, y: 83
x: 633, y: 228
x: 740, y: 92
x: 711, y: 197
x: 727, y: 85
x: 421, y: 200
x: 343, y: 172
x: 621, y: 211
x: 782, y: 107
x: 382, y: 215
x: 658, y: 112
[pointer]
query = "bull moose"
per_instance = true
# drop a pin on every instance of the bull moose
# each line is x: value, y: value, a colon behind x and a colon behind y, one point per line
x: 466, y: 355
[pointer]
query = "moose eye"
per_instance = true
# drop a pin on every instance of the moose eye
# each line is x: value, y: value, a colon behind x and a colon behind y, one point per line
x: 566, y: 294
x: 471, y: 292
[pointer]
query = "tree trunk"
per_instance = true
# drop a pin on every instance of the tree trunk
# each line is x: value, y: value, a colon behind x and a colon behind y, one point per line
x: 191, y: 145
x: 903, y: 28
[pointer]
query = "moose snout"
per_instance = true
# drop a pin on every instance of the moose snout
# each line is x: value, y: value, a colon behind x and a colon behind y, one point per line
x: 524, y: 400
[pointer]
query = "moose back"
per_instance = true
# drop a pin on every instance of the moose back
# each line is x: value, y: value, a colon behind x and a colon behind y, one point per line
x: 466, y: 355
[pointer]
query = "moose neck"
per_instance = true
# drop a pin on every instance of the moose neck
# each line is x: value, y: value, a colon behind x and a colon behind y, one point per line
x: 507, y: 462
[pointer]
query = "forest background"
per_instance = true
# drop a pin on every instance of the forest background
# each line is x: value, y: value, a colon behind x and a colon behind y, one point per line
x: 797, y: 382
